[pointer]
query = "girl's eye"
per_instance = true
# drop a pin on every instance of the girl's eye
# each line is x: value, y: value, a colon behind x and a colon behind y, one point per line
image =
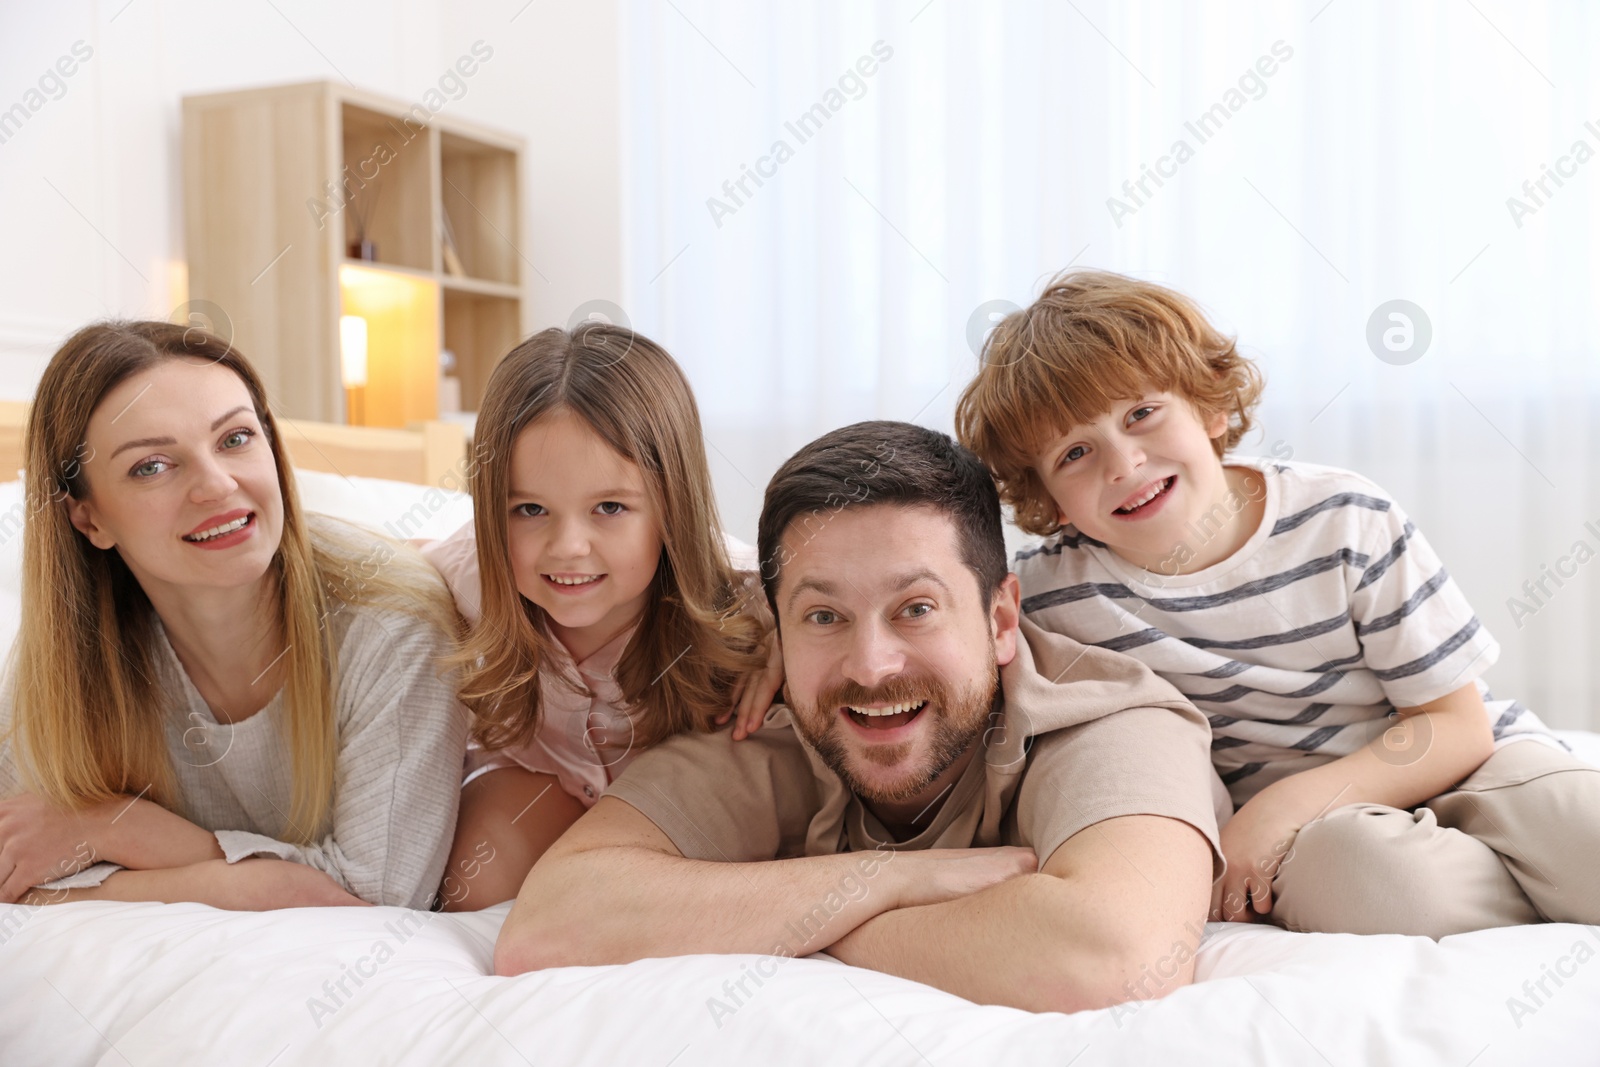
x: 1071, y: 454
x: 149, y: 468
x: 823, y: 617
x: 528, y: 511
x: 1140, y: 414
x: 610, y: 507
x: 237, y: 438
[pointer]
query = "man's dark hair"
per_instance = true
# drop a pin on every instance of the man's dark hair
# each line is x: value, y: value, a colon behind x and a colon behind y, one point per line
x: 876, y: 463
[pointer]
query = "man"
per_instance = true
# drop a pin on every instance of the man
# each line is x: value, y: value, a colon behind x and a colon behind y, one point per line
x: 951, y: 795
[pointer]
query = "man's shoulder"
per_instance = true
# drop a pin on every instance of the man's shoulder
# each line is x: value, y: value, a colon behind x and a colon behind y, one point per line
x: 1057, y: 682
x: 718, y: 798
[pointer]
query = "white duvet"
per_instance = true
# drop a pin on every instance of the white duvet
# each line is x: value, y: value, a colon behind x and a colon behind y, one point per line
x: 153, y: 985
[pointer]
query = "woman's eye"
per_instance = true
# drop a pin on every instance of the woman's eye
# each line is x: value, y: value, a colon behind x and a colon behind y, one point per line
x: 237, y: 438
x: 610, y: 507
x: 148, y: 469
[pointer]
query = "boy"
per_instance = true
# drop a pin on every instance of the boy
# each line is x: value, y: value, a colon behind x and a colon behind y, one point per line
x: 1295, y: 605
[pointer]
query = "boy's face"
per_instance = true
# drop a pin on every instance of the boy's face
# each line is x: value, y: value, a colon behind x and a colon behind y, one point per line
x: 1137, y: 476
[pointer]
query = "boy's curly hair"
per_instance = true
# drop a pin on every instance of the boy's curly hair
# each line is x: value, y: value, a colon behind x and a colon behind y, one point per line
x: 1093, y: 338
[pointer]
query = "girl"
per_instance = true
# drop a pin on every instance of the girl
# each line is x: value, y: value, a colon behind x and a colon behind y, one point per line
x: 211, y: 699
x: 608, y: 615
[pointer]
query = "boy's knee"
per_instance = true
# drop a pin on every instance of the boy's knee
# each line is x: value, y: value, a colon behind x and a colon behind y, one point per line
x: 1372, y: 869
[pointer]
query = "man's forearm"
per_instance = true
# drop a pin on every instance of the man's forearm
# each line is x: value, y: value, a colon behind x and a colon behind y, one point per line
x: 1036, y: 943
x: 619, y: 904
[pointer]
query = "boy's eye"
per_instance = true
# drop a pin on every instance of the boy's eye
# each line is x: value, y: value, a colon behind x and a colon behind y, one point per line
x: 528, y: 511
x: 1074, y: 453
x: 1141, y: 413
x: 610, y: 507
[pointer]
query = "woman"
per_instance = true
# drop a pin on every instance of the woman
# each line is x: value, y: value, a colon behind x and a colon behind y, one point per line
x: 212, y: 699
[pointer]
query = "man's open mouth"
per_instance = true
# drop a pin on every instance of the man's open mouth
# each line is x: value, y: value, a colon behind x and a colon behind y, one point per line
x: 887, y: 717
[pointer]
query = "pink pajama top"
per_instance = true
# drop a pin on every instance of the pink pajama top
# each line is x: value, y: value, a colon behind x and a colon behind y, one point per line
x: 586, y: 736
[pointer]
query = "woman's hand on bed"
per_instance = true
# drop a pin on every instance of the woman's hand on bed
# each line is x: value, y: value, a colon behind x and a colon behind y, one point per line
x: 754, y: 694
x: 40, y: 842
x: 259, y: 884
x: 1254, y: 842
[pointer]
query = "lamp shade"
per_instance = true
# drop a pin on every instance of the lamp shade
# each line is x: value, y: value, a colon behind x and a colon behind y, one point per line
x: 353, y: 351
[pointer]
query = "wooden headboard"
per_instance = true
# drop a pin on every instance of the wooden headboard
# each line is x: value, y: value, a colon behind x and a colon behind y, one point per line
x: 424, y: 455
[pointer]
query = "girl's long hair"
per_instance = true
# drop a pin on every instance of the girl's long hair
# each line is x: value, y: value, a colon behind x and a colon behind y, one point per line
x: 698, y: 633
x: 89, y: 711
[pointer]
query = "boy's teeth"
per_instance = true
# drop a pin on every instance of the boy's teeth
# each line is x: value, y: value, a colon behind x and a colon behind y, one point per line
x: 585, y: 580
x: 1154, y: 492
x: 218, y: 531
x: 893, y: 709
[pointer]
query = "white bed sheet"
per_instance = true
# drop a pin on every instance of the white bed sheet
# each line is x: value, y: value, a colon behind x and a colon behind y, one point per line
x: 147, y: 984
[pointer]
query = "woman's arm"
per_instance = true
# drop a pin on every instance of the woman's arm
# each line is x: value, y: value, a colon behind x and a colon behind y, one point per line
x: 41, y: 842
x: 249, y: 885
x: 402, y: 741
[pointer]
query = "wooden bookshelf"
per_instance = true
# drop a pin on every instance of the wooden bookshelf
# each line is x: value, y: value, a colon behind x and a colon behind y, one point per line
x: 277, y: 182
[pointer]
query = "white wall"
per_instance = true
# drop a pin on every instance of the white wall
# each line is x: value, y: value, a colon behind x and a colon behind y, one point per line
x: 92, y: 180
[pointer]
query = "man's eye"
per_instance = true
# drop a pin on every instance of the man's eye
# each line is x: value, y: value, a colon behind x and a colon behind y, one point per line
x: 611, y: 507
x: 917, y: 611
x: 823, y: 618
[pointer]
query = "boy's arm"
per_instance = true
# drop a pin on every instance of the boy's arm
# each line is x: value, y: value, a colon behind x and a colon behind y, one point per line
x: 1431, y: 748
x: 615, y: 889
x: 1115, y: 915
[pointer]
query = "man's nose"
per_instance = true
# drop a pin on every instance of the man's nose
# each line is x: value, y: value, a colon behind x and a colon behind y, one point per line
x: 876, y: 653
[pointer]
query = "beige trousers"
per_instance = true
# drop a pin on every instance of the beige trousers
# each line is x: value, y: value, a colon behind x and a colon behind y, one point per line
x: 1517, y: 842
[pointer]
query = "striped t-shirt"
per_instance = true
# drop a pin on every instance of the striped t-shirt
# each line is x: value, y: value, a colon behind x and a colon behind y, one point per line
x: 1300, y: 644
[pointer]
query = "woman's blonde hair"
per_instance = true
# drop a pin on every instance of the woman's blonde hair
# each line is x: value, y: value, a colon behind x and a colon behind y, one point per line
x: 696, y: 635
x: 1091, y: 340
x: 89, y: 718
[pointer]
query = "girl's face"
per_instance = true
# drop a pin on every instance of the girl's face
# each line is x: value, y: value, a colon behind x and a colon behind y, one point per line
x: 585, y: 539
x: 181, y: 479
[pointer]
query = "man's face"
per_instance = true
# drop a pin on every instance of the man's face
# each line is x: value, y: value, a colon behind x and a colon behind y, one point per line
x: 891, y: 653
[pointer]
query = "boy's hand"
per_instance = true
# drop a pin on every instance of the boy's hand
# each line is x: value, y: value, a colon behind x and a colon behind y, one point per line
x: 1254, y: 842
x: 754, y: 693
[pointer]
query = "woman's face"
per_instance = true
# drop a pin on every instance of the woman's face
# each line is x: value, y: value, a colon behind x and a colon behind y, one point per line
x: 181, y: 479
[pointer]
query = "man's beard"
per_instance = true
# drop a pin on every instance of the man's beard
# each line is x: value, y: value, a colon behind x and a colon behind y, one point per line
x: 960, y: 717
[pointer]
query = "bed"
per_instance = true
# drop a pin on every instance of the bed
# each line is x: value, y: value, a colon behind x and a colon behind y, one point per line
x: 148, y: 984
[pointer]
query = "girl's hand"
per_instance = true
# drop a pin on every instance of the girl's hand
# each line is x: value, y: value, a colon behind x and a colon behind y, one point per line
x: 1254, y: 842
x: 40, y: 842
x: 754, y: 693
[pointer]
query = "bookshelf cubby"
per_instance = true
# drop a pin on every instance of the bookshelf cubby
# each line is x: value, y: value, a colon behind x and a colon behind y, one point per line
x: 305, y: 203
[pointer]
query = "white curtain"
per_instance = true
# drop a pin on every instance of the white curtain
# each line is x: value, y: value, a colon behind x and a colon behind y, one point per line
x: 1340, y: 155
